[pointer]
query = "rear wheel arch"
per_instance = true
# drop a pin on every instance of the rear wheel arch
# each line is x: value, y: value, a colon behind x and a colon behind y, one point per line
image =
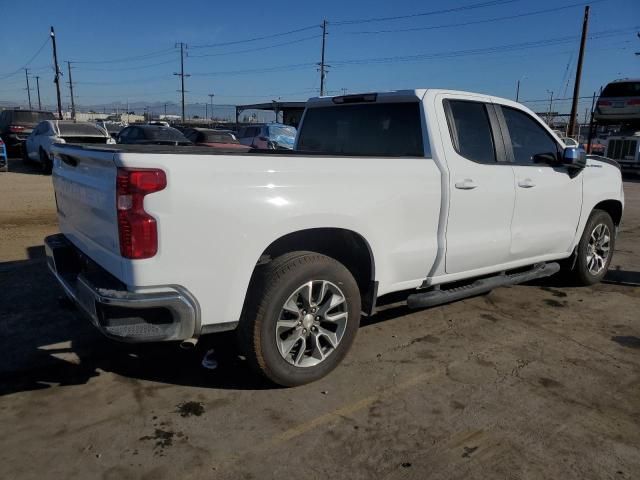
x: 346, y: 246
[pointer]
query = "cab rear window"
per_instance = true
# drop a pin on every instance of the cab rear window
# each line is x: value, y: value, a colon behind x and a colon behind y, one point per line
x: 380, y: 129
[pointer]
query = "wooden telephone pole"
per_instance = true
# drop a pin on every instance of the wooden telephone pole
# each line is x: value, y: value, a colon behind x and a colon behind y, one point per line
x: 576, y: 86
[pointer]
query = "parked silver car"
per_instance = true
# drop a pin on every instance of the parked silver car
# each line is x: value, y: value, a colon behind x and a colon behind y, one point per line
x: 49, y: 132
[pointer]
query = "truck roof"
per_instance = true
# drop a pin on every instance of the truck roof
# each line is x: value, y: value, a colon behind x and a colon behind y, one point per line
x: 410, y: 95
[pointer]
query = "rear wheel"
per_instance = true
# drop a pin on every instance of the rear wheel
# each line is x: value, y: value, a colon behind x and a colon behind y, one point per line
x: 595, y: 249
x: 301, y: 318
x: 25, y: 155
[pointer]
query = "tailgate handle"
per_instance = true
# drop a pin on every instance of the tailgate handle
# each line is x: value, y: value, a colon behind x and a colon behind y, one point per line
x: 69, y: 160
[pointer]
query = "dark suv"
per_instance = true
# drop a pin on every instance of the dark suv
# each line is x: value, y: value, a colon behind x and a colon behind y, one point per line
x: 16, y: 125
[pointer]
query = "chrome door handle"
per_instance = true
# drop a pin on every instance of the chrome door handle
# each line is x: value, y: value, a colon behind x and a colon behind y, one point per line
x: 466, y: 184
x: 526, y: 183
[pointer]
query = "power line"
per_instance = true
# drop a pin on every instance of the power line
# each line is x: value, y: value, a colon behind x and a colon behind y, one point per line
x: 478, y: 51
x: 475, y: 22
x: 123, y: 69
x: 255, y: 39
x: 256, y: 49
x: 425, y: 14
x: 157, y: 53
x: 33, y: 57
x: 295, y: 66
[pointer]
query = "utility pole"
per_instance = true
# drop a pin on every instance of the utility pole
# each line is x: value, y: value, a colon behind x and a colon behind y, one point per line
x: 26, y: 75
x: 576, y: 85
x: 38, y: 88
x: 322, y: 65
x: 165, y: 110
x: 56, y: 79
x: 518, y: 91
x: 550, y: 106
x: 182, y: 75
x: 211, y: 95
x: 73, y: 104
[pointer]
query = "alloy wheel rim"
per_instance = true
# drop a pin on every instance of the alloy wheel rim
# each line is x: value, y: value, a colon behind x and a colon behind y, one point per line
x: 598, y: 248
x: 311, y: 323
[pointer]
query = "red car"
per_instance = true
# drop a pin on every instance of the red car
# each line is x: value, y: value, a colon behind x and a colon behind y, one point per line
x: 207, y: 137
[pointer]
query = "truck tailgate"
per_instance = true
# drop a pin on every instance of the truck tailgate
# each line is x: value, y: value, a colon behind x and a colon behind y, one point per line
x: 84, y: 182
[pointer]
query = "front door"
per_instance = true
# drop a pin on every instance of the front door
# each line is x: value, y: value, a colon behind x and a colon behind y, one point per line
x: 481, y: 194
x: 548, y: 197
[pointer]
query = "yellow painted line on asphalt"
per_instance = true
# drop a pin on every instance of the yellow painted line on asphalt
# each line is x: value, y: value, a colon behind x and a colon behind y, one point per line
x: 346, y: 410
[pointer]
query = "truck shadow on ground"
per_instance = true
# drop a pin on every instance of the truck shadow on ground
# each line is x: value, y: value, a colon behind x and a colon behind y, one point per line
x: 44, y: 342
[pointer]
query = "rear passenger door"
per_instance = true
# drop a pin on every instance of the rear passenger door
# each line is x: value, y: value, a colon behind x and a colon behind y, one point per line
x: 481, y: 192
x: 548, y: 195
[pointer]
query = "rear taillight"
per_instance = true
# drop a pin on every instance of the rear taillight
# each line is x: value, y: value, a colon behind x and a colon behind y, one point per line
x: 603, y: 103
x: 138, y: 231
x: 633, y: 102
x: 16, y: 128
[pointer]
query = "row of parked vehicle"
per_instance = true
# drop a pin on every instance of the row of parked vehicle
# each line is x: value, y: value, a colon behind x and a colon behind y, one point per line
x: 33, y: 133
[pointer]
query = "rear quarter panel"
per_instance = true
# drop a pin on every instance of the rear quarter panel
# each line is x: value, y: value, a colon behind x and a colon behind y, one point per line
x: 220, y: 212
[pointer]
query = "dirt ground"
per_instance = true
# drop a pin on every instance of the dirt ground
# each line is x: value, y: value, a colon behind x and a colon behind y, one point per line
x: 529, y: 382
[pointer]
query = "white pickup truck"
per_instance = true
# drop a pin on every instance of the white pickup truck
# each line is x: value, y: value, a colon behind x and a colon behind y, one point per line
x: 426, y: 195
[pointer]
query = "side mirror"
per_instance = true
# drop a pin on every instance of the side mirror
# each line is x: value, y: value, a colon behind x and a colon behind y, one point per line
x: 574, y: 157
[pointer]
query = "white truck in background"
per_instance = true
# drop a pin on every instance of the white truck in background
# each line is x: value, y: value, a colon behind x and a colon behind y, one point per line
x: 431, y: 195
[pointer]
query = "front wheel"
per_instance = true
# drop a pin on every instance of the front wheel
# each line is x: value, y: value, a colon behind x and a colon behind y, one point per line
x: 595, y: 249
x: 301, y: 318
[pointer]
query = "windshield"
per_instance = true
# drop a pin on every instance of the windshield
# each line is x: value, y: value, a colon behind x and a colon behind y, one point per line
x: 384, y: 129
x: 622, y: 89
x: 277, y: 130
x: 80, y: 130
x: 164, y: 134
x: 31, y: 117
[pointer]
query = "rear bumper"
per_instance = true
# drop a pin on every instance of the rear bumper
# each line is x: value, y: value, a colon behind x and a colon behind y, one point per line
x: 122, y: 313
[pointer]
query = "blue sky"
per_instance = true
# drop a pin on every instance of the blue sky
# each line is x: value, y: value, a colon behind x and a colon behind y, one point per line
x: 117, y: 30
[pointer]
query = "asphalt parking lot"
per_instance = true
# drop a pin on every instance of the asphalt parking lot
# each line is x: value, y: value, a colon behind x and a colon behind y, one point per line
x: 534, y: 381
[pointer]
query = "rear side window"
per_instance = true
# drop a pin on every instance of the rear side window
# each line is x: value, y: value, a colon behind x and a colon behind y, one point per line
x: 622, y: 89
x: 470, y: 130
x: 377, y: 129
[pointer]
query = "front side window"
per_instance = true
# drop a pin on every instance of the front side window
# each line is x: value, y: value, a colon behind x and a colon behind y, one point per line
x: 375, y: 129
x: 470, y: 131
x: 531, y: 143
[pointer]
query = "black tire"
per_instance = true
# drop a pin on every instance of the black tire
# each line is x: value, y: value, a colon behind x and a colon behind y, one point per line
x: 25, y: 156
x: 45, y: 162
x: 580, y: 274
x: 274, y: 285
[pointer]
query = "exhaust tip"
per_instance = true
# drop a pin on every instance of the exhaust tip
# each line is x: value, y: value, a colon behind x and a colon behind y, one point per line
x: 188, y: 344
